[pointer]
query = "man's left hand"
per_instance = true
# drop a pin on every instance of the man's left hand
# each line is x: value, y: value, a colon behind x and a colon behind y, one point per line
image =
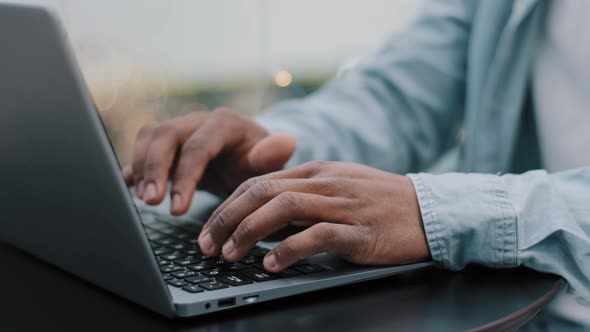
x: 362, y: 214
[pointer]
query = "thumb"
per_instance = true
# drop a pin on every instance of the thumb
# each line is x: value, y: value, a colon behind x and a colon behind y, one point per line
x: 271, y: 153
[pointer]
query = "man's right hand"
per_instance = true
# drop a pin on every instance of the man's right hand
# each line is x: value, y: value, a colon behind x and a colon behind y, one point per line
x: 215, y: 151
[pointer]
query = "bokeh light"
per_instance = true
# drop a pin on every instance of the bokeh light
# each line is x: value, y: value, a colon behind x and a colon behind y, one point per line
x: 283, y: 78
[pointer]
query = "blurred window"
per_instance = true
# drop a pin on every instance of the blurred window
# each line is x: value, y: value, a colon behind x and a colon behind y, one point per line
x: 147, y: 61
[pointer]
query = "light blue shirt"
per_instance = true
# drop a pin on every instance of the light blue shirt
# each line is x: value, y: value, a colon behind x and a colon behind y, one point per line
x: 561, y: 85
x: 461, y: 64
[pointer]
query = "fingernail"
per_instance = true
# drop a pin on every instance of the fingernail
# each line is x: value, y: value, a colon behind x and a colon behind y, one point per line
x: 140, y: 188
x: 207, y: 243
x: 202, y: 234
x: 270, y: 260
x: 150, y: 192
x: 126, y: 173
x: 176, y: 202
x: 228, y: 248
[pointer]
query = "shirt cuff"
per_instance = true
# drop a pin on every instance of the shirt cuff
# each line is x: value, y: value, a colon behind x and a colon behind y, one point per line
x: 467, y: 219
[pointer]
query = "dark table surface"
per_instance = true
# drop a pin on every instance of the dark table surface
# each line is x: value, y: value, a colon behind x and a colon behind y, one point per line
x: 37, y: 296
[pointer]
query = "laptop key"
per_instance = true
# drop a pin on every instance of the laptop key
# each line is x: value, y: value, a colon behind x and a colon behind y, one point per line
x: 170, y: 268
x: 230, y: 268
x: 213, y: 285
x: 307, y: 269
x: 259, y: 266
x: 187, y: 261
x: 236, y: 266
x: 250, y: 260
x: 155, y: 236
x: 192, y: 228
x: 156, y: 226
x: 200, y: 267
x: 166, y: 241
x: 167, y: 277
x: 184, y: 236
x: 162, y: 251
x: 197, y: 279
x: 168, y: 230
x: 288, y: 273
x: 258, y: 252
x: 257, y: 275
x: 203, y: 257
x: 183, y: 274
x: 149, y: 230
x: 215, y: 272
x: 173, y: 256
x: 180, y: 246
x: 193, y: 289
x: 192, y: 241
x: 234, y: 280
x: 219, y: 261
x: 191, y: 251
x: 176, y: 282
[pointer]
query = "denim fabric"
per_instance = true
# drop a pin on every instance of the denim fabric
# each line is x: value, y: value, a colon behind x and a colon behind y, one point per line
x: 461, y: 64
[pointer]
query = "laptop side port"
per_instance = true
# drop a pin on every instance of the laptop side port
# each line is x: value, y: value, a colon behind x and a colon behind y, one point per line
x: 250, y: 299
x: 230, y: 301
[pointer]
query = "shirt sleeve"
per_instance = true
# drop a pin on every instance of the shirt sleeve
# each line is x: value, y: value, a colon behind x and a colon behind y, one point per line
x: 537, y: 220
x: 400, y: 110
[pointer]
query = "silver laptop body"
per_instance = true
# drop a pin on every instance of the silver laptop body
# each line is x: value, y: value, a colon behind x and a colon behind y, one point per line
x: 62, y: 197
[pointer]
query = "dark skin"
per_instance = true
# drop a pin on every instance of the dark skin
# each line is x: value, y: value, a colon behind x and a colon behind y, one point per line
x: 362, y: 214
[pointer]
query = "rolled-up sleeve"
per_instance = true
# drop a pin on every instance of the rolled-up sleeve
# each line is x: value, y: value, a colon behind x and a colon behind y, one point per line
x: 536, y: 219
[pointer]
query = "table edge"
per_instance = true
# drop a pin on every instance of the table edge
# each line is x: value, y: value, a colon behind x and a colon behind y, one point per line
x: 516, y: 319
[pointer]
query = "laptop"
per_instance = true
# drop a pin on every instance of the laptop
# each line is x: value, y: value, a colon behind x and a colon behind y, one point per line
x: 64, y: 201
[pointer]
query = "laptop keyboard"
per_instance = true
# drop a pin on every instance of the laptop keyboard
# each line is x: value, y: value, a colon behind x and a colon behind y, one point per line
x: 183, y: 265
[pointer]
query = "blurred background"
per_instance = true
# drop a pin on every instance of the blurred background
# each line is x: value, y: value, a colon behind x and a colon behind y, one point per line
x: 147, y: 61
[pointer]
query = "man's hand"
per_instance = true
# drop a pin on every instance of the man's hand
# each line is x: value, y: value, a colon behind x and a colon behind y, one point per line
x: 215, y: 150
x: 362, y: 214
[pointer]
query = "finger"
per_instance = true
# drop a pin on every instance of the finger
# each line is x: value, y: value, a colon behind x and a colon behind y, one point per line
x: 259, y: 194
x: 273, y: 216
x: 292, y: 173
x: 271, y: 153
x: 227, y: 219
x: 166, y: 139
x: 219, y: 131
x: 295, y: 226
x: 140, y: 147
x: 127, y: 175
x: 158, y: 162
x: 337, y: 239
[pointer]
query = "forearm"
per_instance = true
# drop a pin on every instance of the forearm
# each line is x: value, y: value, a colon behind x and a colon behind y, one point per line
x: 400, y: 110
